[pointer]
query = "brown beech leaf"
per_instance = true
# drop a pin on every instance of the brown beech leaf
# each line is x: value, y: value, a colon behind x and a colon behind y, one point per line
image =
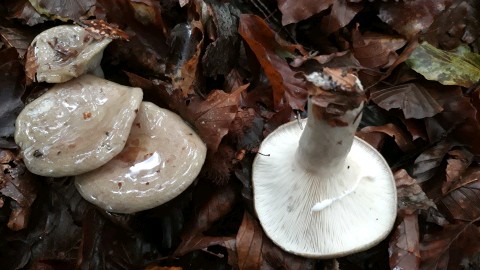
x: 222, y: 53
x: 458, y: 120
x: 23, y: 10
x: 458, y: 24
x: 404, y: 246
x: 219, y: 203
x: 411, y: 197
x: 17, y: 183
x: 402, y: 138
x: 11, y: 90
x: 186, y: 71
x: 416, y: 127
x: 256, y: 251
x: 411, y: 17
x: 249, y: 244
x: 375, y: 139
x: 412, y: 99
x: 457, y: 164
x: 450, y: 247
x: 213, y: 116
x: 64, y: 9
x: 376, y: 50
x: 294, y: 11
x: 341, y: 14
x: 146, y: 51
x: 271, y: 53
x: 426, y: 165
x: 462, y: 202
x: 17, y: 38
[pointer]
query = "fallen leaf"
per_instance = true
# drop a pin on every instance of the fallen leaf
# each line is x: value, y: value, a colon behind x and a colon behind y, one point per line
x: 412, y: 99
x: 411, y: 197
x: 256, y: 251
x: 146, y: 51
x: 12, y: 88
x: 462, y: 202
x: 294, y: 11
x: 426, y: 165
x: 63, y: 9
x: 271, y: 54
x: 404, y: 246
x: 458, y: 162
x: 375, y: 139
x: 17, y: 38
x: 401, y: 137
x: 23, y: 10
x: 220, y: 202
x: 457, y: 121
x: 461, y: 67
x: 249, y: 244
x: 456, y: 25
x: 213, y: 116
x: 186, y: 41
x: 341, y: 14
x: 450, y: 247
x: 107, y: 246
x: 412, y: 17
x: 376, y: 50
x: 18, y: 184
x: 222, y: 53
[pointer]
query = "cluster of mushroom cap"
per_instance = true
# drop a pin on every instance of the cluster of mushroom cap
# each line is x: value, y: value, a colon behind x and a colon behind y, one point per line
x: 126, y: 155
x: 319, y: 191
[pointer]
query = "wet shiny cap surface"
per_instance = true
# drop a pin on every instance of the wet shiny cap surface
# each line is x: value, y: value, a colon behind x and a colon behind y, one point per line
x: 162, y: 157
x: 64, y: 52
x: 76, y: 126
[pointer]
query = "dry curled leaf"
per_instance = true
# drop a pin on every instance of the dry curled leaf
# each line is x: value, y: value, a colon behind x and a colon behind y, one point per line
x: 220, y: 202
x: 213, y: 116
x: 462, y: 202
x: 294, y: 11
x: 426, y: 165
x: 404, y: 244
x: 450, y: 248
x: 412, y: 99
x: 411, y: 197
x: 401, y: 137
x: 18, y: 184
x: 458, y: 162
x: 271, y: 53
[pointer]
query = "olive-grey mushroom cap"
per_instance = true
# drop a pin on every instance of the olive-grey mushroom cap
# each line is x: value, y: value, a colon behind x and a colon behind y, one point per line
x: 162, y: 157
x: 76, y: 126
x: 64, y: 52
x: 322, y: 215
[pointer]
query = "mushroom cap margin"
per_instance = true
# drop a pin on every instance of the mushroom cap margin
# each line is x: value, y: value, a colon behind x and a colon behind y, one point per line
x: 284, y: 196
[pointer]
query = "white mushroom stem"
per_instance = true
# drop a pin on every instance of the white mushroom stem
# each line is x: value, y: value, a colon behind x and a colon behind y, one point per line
x: 324, y: 145
x: 323, y: 148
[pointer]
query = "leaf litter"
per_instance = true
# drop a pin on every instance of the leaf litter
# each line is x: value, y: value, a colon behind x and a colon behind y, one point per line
x: 230, y: 69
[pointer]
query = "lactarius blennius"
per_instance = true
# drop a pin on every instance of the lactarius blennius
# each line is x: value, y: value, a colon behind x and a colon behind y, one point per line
x: 64, y: 52
x: 76, y: 126
x: 320, y: 192
x: 162, y: 157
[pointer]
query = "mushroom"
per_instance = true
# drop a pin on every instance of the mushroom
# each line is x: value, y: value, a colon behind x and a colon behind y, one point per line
x: 162, y: 157
x: 64, y: 52
x: 320, y: 192
x: 76, y: 126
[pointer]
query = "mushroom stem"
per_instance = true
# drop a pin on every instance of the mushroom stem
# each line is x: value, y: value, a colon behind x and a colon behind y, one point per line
x: 334, y: 114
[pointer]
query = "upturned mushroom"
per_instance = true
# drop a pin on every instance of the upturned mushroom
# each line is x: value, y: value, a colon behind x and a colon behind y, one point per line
x: 321, y: 192
x: 162, y: 157
x: 64, y: 52
x: 76, y: 126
